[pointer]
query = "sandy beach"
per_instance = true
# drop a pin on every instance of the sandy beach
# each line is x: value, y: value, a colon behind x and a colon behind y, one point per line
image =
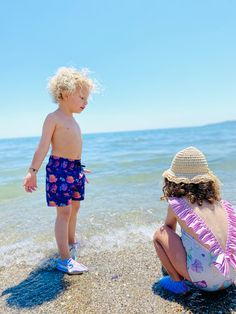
x: 119, y: 281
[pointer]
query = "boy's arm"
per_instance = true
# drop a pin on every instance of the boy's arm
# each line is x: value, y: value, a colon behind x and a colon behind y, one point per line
x: 45, y: 141
x: 40, y: 153
x: 171, y: 220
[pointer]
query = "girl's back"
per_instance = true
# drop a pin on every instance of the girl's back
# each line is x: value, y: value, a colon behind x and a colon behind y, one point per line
x: 214, y: 217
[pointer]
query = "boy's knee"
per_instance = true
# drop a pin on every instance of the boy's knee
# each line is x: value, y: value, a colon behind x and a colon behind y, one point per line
x: 76, y: 207
x: 65, y: 213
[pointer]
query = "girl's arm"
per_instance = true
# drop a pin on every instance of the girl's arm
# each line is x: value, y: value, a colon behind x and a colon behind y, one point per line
x: 171, y: 220
x: 49, y: 125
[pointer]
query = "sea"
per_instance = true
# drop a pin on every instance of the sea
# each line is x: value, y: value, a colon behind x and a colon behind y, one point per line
x: 122, y: 204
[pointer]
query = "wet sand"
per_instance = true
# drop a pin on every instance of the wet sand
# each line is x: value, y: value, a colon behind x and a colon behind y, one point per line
x: 120, y: 281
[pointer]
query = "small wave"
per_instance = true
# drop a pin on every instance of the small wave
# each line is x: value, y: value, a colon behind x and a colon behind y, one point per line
x: 26, y: 252
x: 31, y: 253
x: 121, y: 238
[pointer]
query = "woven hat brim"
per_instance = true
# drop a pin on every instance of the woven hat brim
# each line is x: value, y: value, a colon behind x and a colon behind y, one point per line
x: 206, y: 177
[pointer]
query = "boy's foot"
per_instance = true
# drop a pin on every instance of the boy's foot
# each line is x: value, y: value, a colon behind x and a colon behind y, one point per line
x: 71, y: 267
x: 177, y: 287
x: 74, y: 250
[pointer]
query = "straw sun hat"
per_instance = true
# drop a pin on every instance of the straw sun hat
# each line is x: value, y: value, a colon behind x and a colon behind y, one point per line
x: 189, y: 166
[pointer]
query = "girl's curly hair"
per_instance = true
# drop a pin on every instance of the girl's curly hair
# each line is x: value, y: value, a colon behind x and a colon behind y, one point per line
x: 203, y: 191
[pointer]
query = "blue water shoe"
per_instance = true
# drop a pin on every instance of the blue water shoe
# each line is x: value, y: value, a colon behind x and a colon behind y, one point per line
x: 177, y: 287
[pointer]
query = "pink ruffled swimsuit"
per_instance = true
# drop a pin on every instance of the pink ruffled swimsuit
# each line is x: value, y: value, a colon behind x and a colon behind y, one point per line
x: 211, y: 269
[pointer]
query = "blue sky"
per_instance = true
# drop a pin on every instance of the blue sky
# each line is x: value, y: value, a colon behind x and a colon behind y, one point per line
x: 160, y: 63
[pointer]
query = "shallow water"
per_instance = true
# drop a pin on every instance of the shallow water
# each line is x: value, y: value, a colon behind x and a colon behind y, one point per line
x: 122, y: 200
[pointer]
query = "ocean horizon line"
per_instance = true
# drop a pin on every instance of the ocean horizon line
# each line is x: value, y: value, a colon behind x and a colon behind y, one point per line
x: 133, y: 130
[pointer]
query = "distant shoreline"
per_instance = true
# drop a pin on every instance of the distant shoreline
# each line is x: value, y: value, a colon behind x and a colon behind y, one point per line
x: 138, y: 130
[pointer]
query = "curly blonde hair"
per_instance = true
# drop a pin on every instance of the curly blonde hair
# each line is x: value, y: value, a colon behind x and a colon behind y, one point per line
x: 68, y: 79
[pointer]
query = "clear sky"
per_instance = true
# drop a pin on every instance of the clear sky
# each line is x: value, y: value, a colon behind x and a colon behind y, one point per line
x: 161, y: 63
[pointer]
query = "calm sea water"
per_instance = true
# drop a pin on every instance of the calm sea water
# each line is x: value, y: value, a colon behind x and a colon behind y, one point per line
x: 122, y: 199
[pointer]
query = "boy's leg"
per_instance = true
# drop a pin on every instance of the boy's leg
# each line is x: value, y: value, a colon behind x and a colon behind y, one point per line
x: 72, y: 222
x: 61, y: 230
x: 171, y: 252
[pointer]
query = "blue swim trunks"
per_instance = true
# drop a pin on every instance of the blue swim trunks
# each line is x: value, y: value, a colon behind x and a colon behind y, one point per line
x: 65, y: 181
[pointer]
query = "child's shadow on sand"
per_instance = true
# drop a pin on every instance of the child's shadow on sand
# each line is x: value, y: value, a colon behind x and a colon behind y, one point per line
x: 42, y: 285
x: 198, y: 301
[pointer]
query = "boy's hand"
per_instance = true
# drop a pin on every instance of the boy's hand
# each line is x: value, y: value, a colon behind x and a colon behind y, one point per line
x: 30, y: 182
x: 87, y: 171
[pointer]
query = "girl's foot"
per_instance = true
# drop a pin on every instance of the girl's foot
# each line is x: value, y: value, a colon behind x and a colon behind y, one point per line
x: 177, y: 287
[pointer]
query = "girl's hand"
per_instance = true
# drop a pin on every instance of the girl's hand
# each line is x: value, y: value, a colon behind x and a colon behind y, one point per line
x: 30, y: 182
x: 87, y: 171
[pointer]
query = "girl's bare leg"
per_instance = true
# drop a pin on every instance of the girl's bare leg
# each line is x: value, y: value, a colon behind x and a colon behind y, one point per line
x: 171, y: 253
x: 72, y: 222
x: 61, y: 230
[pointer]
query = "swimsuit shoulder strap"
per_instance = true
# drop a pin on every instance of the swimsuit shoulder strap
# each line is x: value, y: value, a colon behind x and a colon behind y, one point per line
x: 227, y: 258
x: 192, y: 220
x: 231, y: 217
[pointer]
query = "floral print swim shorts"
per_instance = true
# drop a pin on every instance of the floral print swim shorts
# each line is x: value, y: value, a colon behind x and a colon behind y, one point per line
x: 65, y: 181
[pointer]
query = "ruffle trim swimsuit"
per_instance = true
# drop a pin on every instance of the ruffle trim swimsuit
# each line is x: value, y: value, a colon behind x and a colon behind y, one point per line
x: 213, y: 268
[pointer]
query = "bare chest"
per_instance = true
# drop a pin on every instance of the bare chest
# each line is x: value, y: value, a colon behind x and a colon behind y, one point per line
x: 69, y: 130
x: 70, y: 127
